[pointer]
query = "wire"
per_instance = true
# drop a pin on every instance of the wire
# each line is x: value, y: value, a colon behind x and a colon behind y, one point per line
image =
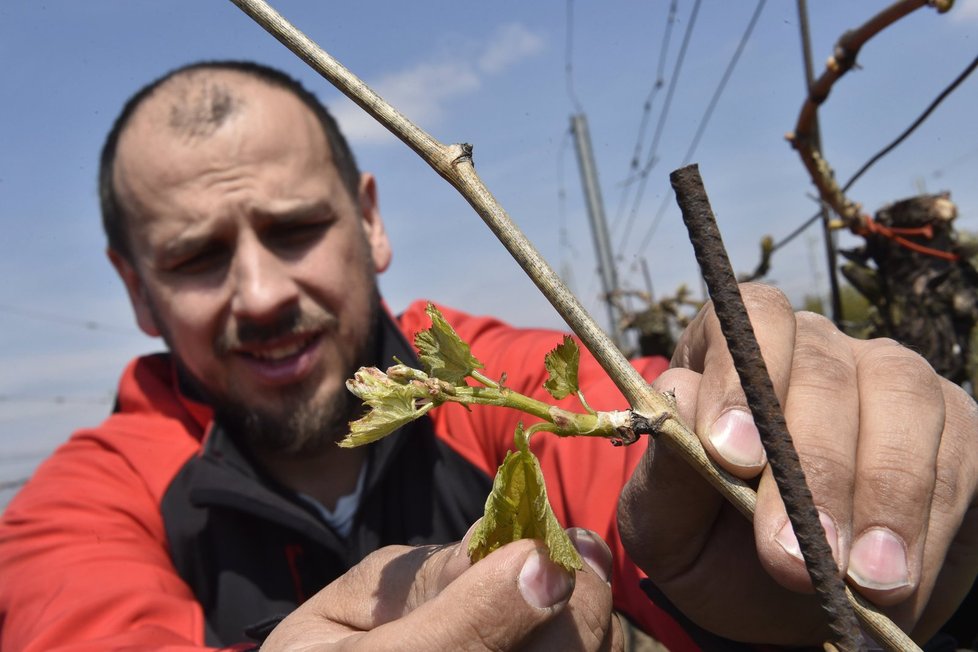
x: 916, y: 123
x: 569, y: 58
x: 798, y: 231
x: 60, y: 319
x: 653, y: 148
x: 886, y: 150
x: 705, y: 120
x: 7, y: 485
x: 563, y: 232
x: 653, y: 92
x: 25, y: 456
x: 655, y: 223
x: 58, y: 399
x: 646, y: 115
x: 939, y: 172
x: 707, y: 115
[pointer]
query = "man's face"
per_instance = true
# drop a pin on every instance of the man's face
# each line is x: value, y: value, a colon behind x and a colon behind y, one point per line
x: 252, y: 260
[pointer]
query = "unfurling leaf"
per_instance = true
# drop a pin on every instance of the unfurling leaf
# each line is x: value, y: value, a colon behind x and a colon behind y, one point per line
x: 392, y: 404
x: 562, y: 365
x: 442, y: 352
x: 518, y: 508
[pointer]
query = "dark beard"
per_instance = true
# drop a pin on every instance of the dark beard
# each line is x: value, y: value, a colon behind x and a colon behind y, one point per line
x: 306, y: 431
x: 308, y: 428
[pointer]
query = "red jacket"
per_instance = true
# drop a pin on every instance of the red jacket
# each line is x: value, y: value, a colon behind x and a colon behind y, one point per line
x: 85, y: 562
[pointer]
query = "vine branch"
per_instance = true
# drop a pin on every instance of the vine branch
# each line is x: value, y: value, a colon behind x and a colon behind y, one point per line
x: 454, y: 164
x: 843, y: 59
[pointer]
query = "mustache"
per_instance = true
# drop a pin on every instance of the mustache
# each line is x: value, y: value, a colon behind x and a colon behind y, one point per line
x: 242, y: 332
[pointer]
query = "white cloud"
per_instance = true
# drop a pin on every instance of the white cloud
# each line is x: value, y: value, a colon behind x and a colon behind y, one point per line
x: 509, y: 45
x: 423, y: 92
x: 419, y: 93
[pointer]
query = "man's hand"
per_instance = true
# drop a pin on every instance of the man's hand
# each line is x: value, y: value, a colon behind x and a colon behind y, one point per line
x: 431, y: 598
x: 890, y: 451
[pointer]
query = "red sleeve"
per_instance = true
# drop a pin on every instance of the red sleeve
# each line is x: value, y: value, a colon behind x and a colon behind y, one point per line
x: 82, y: 547
x: 584, y: 476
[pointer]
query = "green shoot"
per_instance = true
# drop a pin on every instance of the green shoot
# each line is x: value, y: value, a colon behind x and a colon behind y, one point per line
x: 518, y: 507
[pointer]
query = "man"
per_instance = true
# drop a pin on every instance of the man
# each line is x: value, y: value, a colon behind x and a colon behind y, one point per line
x: 214, y: 501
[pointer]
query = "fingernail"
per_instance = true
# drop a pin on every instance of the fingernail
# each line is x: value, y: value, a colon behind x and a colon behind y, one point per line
x: 878, y: 560
x: 736, y: 439
x: 543, y: 583
x: 787, y: 540
x: 593, y: 550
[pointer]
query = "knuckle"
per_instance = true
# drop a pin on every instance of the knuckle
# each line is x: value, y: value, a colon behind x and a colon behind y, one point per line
x: 947, y: 489
x: 961, y: 409
x: 427, y: 579
x: 826, y: 463
x: 764, y: 299
x: 808, y: 320
x: 477, y: 629
x: 954, y: 483
x: 904, y: 492
x: 821, y: 359
x: 481, y: 636
x: 820, y: 364
x: 898, y: 370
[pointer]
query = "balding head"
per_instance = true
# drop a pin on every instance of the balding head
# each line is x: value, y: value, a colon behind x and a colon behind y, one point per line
x: 196, y: 103
x: 192, y: 102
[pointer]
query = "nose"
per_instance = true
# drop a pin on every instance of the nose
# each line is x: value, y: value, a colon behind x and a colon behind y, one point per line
x: 262, y: 284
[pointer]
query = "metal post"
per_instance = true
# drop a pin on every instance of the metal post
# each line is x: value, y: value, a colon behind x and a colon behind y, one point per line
x: 806, y: 47
x: 599, y: 226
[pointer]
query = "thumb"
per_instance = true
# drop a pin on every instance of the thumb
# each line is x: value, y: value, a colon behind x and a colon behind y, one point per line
x: 667, y: 509
x: 495, y: 604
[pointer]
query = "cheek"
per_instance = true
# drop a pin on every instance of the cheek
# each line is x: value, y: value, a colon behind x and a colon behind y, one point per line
x: 192, y: 324
x: 341, y: 273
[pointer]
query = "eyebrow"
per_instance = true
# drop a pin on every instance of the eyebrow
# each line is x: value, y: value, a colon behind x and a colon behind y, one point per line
x: 297, y: 213
x: 184, y: 245
x: 180, y: 247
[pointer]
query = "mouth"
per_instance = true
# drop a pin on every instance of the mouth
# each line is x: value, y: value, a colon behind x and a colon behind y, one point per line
x: 281, y: 352
x: 282, y: 360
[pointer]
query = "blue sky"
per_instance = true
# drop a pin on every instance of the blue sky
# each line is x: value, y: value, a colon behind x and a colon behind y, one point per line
x: 491, y: 74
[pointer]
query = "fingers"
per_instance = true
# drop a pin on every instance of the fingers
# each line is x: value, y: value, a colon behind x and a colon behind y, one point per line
x: 889, y: 453
x: 948, y: 569
x: 900, y: 425
x: 722, y: 418
x: 494, y: 605
x: 822, y: 412
x: 514, y: 598
x: 403, y: 598
x: 666, y: 509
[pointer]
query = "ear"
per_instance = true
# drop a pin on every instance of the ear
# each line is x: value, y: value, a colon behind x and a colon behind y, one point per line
x: 373, y: 224
x: 137, y: 293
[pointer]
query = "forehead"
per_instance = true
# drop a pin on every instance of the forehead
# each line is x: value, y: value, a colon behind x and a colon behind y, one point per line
x: 195, y: 103
x: 208, y: 122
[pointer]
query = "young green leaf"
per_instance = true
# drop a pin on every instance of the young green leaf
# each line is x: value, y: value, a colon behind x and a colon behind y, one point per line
x: 442, y: 352
x: 392, y: 404
x: 562, y: 365
x: 518, y: 508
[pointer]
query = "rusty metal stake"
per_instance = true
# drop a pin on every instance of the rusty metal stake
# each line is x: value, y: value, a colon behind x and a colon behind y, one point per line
x: 768, y: 417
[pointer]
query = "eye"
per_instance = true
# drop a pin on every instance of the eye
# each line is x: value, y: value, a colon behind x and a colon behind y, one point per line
x: 208, y: 259
x: 298, y: 234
